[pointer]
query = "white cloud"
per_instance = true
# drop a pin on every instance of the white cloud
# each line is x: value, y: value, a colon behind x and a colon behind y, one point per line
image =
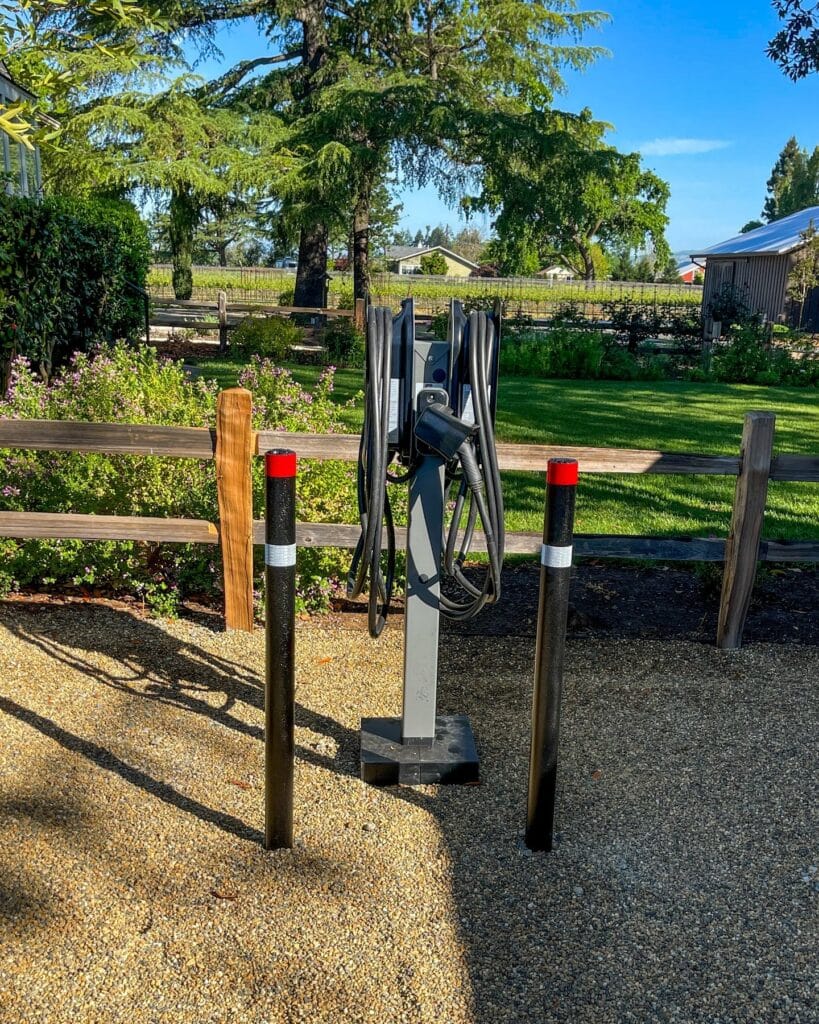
x: 681, y: 147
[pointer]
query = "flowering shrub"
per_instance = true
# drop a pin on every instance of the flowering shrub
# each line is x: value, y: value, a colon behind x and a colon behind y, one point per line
x: 118, y: 384
x: 325, y: 490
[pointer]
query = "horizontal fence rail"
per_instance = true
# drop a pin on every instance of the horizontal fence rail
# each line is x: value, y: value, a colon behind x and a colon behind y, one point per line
x: 187, y: 314
x: 533, y: 457
x: 679, y: 549
x: 233, y: 445
x: 108, y: 438
x: 664, y: 549
x: 75, y: 526
x: 200, y: 443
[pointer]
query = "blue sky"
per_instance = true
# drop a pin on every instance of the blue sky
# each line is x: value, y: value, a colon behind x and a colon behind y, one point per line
x: 688, y: 86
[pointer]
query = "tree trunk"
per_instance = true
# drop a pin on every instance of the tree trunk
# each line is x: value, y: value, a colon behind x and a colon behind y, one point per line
x: 313, y: 243
x: 6, y: 359
x: 222, y: 251
x: 183, y: 214
x: 361, y: 240
x: 314, y: 236
x: 589, y: 273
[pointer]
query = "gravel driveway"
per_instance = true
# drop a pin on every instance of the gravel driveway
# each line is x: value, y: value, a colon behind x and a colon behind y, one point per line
x: 133, y: 887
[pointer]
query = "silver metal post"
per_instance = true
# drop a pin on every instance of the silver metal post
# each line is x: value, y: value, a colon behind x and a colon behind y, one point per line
x: 421, y: 617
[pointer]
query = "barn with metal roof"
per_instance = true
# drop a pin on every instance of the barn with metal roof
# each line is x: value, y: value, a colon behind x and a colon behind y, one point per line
x: 756, y: 265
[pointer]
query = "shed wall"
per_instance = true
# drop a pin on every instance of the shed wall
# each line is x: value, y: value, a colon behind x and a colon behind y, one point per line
x: 763, y: 279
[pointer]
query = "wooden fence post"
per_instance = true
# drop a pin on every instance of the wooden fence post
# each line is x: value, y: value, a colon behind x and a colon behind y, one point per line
x: 223, y: 326
x: 742, y: 546
x: 234, y: 451
x: 359, y: 318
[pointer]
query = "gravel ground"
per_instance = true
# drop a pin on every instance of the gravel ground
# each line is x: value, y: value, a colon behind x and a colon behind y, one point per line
x: 133, y: 888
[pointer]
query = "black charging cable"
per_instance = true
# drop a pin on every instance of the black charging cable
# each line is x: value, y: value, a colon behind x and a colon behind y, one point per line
x: 471, y: 461
x: 374, y: 510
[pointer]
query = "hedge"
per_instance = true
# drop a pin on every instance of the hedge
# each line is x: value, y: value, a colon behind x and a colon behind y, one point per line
x: 64, y: 269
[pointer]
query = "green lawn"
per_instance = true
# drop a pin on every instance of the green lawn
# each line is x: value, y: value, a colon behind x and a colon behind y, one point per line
x: 704, y: 418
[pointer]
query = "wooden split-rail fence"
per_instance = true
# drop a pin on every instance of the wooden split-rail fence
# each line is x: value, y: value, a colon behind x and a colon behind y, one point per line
x: 234, y: 444
x: 186, y: 314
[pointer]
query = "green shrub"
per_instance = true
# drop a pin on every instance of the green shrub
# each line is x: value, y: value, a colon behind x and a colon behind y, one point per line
x: 287, y: 297
x: 729, y: 305
x: 270, y: 336
x: 560, y: 352
x: 325, y: 490
x: 434, y: 263
x: 439, y: 325
x: 64, y: 270
x: 134, y: 386
x: 633, y: 322
x: 747, y: 358
x: 345, y: 298
x: 344, y: 343
x: 656, y: 368
x: 567, y: 352
x: 619, y: 364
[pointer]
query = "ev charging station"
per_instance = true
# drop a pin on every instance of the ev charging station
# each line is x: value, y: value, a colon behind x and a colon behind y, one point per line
x: 429, y: 424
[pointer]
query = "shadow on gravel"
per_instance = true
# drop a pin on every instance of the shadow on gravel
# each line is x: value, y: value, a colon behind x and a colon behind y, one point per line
x: 162, y: 669
x: 104, y: 758
x: 159, y: 668
x: 675, y: 890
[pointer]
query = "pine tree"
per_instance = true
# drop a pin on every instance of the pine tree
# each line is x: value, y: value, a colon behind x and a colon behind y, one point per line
x: 364, y: 85
x: 782, y: 173
x: 802, y: 190
x: 58, y: 48
x: 183, y: 154
x: 804, y: 274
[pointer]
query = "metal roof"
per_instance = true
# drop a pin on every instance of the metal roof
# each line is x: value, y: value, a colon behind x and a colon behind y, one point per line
x: 4, y: 73
x: 782, y: 236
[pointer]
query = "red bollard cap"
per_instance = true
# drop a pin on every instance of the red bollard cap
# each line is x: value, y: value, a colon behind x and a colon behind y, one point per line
x: 280, y: 463
x: 563, y: 472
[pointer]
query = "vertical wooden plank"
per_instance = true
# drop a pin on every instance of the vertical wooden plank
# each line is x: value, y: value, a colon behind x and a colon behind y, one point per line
x: 234, y: 449
x: 360, y: 314
x: 742, y: 546
x: 712, y: 329
x: 223, y: 330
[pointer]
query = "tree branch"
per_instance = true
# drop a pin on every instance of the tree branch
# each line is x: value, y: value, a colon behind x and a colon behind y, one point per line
x: 219, y: 87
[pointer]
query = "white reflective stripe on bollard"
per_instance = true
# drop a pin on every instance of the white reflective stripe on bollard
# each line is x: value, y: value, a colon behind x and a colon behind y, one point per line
x: 280, y: 556
x: 554, y: 557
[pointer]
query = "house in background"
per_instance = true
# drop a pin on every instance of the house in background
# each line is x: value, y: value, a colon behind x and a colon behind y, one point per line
x: 19, y: 165
x: 689, y: 272
x: 406, y: 259
x: 557, y: 272
x: 756, y: 265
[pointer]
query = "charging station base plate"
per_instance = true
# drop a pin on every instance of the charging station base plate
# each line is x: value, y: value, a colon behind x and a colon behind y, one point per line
x: 451, y: 758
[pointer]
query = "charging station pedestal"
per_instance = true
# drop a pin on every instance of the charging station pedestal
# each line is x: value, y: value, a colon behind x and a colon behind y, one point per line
x: 421, y: 748
x: 430, y: 407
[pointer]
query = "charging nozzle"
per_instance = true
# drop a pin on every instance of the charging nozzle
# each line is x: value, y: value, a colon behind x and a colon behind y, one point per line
x: 440, y: 431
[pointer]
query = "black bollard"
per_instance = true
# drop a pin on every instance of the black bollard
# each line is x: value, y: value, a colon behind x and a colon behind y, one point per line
x: 555, y: 578
x: 280, y: 653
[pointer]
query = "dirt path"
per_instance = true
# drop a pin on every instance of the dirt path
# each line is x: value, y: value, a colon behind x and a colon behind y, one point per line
x: 133, y: 887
